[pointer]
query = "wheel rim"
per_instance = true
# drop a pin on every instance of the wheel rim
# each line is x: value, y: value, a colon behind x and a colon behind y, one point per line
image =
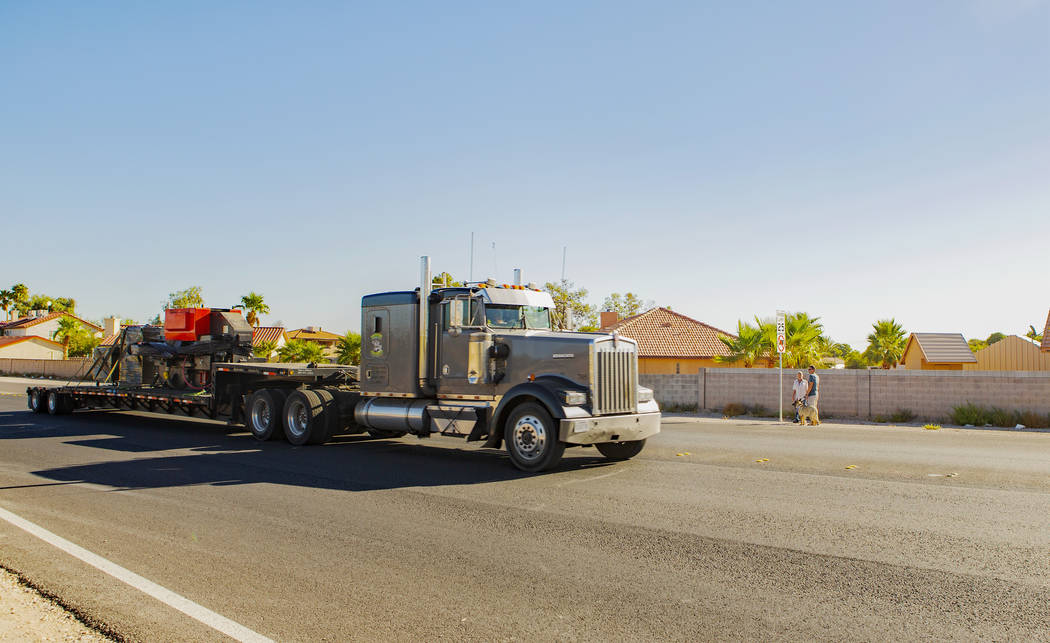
x: 52, y: 403
x: 298, y: 418
x: 530, y: 438
x: 34, y: 399
x: 261, y: 414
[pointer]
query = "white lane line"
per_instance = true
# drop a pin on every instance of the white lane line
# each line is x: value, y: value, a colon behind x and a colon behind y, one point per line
x: 186, y: 606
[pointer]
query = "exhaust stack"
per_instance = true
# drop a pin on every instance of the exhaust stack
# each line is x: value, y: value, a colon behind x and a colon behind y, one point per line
x: 517, y: 276
x: 425, y: 284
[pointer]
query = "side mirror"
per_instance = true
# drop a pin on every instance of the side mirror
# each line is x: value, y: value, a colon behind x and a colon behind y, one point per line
x: 457, y: 314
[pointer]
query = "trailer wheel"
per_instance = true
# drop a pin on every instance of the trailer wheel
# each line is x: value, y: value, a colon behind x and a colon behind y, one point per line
x: 531, y: 436
x: 265, y: 410
x: 620, y: 450
x: 36, y: 401
x: 305, y: 418
x: 57, y: 404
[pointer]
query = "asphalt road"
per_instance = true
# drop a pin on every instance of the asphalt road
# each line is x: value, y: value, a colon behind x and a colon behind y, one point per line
x: 430, y: 540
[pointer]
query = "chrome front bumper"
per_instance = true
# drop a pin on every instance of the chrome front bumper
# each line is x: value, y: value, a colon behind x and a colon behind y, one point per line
x: 610, y: 428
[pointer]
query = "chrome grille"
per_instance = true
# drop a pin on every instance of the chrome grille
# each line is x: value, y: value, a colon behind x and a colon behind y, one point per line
x: 615, y: 379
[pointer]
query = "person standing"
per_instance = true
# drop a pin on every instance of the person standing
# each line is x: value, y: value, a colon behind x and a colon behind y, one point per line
x: 798, y: 393
x: 813, y: 390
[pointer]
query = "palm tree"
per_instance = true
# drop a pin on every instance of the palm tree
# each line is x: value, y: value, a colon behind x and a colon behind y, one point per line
x: 21, y: 294
x: 887, y: 343
x: 6, y: 299
x: 803, y: 340
x: 349, y: 348
x: 751, y: 344
x: 68, y: 330
x: 1031, y: 334
x: 265, y: 349
x: 254, y: 304
x: 300, y: 350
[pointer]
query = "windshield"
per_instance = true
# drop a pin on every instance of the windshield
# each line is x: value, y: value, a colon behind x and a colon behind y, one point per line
x: 504, y: 316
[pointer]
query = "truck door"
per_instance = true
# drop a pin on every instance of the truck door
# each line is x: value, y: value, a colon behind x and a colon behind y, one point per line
x: 455, y: 373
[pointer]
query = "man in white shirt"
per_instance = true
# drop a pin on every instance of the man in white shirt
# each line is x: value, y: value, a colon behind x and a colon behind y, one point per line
x: 799, y: 388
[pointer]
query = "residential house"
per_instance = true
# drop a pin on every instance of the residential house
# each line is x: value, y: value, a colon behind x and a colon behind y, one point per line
x: 1046, y: 336
x: 669, y: 342
x: 29, y: 347
x: 275, y: 334
x: 314, y: 334
x: 1012, y: 353
x: 937, y: 352
x: 40, y: 323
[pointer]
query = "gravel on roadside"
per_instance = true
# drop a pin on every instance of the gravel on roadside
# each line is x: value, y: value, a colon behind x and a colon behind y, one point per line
x: 26, y: 615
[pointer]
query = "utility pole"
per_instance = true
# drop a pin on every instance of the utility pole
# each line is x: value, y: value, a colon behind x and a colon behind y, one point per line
x: 564, y: 250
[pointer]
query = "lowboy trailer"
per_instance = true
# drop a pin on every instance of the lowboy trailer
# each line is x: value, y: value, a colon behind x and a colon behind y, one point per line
x: 479, y: 362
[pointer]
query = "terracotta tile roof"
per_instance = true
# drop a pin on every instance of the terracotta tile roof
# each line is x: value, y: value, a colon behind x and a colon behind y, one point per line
x: 1046, y: 335
x: 109, y: 340
x: 7, y: 341
x: 661, y: 332
x: 26, y: 322
x: 943, y: 348
x: 314, y: 335
x: 262, y: 334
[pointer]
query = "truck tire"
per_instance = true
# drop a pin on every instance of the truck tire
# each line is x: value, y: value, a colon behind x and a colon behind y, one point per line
x: 531, y: 436
x: 36, y: 401
x: 620, y: 450
x: 265, y: 410
x: 305, y: 418
x: 333, y: 423
x: 57, y: 404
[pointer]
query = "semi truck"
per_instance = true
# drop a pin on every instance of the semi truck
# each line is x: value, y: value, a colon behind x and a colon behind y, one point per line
x: 479, y: 362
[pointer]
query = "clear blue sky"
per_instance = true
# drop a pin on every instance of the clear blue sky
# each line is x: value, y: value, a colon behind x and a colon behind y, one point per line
x: 854, y: 160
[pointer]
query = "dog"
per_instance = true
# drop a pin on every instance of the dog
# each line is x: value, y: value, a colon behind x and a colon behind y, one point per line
x: 806, y: 412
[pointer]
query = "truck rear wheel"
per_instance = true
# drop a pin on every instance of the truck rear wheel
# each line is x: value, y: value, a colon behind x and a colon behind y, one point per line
x: 305, y: 418
x: 620, y: 450
x: 531, y: 436
x: 265, y: 410
x: 36, y: 401
x: 58, y: 404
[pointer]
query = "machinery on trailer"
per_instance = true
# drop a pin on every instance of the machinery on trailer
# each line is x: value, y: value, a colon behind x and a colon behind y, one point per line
x: 479, y: 362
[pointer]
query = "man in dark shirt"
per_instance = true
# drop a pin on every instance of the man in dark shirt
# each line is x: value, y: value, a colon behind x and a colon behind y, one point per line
x: 812, y: 393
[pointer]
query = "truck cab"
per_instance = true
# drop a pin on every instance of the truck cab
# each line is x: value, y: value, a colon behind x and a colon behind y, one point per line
x: 483, y: 361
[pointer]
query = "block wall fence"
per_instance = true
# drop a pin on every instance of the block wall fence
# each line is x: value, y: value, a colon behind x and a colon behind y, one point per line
x: 859, y: 393
x: 56, y: 368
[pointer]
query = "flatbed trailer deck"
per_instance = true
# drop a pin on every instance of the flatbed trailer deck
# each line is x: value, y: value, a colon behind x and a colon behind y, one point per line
x: 233, y: 384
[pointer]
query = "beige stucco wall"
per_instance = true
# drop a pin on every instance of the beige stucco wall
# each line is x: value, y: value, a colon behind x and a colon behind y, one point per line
x: 31, y: 349
x: 861, y: 393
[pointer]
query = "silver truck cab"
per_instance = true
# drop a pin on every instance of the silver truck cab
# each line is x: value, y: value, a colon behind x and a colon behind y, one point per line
x: 482, y: 361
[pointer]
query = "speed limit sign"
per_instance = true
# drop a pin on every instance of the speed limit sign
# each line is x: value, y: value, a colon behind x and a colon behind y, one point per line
x: 781, y: 331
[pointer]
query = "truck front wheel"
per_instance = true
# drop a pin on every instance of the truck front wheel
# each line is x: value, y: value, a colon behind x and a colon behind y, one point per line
x: 620, y: 450
x: 265, y: 410
x: 531, y: 436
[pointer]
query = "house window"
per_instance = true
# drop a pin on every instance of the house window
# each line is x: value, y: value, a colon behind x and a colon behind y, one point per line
x: 677, y: 368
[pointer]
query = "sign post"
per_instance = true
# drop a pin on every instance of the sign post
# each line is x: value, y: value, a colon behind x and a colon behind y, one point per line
x: 781, y: 346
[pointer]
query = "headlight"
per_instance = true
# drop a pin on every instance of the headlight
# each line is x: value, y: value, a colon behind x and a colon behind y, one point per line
x: 645, y: 394
x: 574, y: 398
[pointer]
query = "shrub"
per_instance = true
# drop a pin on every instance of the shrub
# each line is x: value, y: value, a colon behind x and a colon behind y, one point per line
x: 733, y: 409
x: 678, y: 408
x: 970, y: 414
x: 881, y: 419
x: 758, y: 411
x: 902, y: 415
x: 1034, y: 420
x: 1002, y: 418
